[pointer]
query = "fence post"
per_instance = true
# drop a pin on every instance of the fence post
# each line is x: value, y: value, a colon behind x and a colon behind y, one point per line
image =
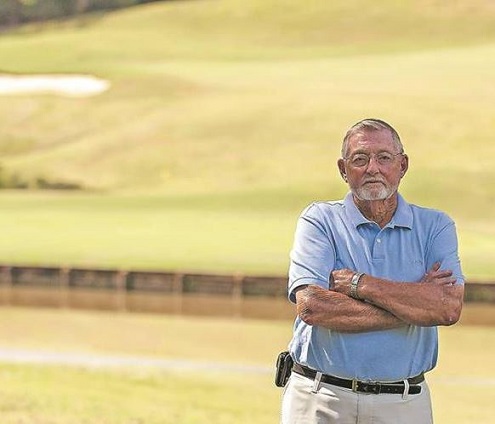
x: 237, y: 280
x: 121, y: 286
x: 64, y: 280
x: 178, y: 293
x: 8, y: 279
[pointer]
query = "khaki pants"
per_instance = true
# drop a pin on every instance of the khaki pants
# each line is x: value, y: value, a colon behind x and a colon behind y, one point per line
x: 303, y: 403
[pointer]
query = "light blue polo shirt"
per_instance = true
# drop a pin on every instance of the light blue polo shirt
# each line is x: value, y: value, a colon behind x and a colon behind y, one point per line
x: 335, y: 235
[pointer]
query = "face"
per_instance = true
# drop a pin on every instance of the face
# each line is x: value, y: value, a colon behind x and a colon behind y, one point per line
x: 378, y: 178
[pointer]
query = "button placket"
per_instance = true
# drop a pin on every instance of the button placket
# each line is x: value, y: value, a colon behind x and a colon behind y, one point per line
x: 378, y: 251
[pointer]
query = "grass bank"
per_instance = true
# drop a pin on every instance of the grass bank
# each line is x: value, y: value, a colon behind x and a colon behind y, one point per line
x: 51, y: 394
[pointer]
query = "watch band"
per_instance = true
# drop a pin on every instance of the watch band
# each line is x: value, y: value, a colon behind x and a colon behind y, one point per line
x: 354, y: 284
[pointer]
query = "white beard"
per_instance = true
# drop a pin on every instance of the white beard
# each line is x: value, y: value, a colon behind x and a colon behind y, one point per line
x: 381, y: 193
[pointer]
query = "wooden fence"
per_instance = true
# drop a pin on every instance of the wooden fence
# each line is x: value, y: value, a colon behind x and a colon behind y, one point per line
x: 162, y: 292
x: 146, y: 291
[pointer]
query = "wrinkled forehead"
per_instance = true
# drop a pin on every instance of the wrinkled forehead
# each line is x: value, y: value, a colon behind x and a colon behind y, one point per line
x: 370, y: 140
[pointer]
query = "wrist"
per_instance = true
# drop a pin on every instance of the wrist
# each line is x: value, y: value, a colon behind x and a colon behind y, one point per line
x: 354, y: 285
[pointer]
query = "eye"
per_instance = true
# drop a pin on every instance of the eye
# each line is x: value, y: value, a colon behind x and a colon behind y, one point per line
x: 384, y: 158
x: 360, y: 160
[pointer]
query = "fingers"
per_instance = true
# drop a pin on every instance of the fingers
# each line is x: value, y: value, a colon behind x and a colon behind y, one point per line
x: 341, y: 274
x: 442, y: 274
x: 441, y: 277
x: 340, y: 280
x: 446, y: 281
x: 435, y: 267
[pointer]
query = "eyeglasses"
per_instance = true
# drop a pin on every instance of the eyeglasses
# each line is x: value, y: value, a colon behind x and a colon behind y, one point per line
x: 360, y: 160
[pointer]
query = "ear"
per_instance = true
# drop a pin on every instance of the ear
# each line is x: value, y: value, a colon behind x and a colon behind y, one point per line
x: 341, y: 165
x: 404, y: 165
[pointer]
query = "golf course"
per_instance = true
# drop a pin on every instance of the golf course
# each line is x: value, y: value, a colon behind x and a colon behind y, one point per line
x: 223, y: 120
x: 220, y: 121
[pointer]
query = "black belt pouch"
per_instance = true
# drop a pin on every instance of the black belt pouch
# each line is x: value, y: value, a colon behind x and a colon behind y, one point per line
x: 283, y: 369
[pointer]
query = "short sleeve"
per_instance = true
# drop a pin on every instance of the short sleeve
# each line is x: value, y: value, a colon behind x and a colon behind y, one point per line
x: 444, y: 248
x: 313, y: 254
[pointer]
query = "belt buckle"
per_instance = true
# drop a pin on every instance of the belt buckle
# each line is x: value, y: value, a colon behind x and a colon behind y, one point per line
x: 373, y: 387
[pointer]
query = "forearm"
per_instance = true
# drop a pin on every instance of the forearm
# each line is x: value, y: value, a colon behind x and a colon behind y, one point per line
x: 335, y: 311
x: 422, y: 303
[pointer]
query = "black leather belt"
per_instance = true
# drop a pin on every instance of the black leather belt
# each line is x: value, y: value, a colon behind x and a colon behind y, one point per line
x: 396, y: 387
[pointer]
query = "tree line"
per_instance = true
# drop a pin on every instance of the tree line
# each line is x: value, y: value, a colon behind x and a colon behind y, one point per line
x: 17, y: 12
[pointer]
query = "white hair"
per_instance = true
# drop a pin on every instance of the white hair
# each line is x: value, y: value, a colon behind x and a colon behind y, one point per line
x: 371, y: 124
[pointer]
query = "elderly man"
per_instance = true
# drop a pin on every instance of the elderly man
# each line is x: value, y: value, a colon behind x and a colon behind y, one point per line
x: 372, y: 277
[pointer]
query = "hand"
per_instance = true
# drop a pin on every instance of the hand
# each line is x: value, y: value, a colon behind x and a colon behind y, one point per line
x: 437, y: 276
x: 340, y: 280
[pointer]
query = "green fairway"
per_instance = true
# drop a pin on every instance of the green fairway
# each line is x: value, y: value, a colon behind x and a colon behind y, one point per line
x: 224, y: 119
x: 34, y: 394
x: 233, y: 232
x: 172, y: 233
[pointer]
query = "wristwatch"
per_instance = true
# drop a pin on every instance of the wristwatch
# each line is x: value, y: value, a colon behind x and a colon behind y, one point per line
x: 354, y: 284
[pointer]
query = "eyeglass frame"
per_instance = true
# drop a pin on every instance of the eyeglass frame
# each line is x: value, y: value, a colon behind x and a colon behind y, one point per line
x: 369, y: 156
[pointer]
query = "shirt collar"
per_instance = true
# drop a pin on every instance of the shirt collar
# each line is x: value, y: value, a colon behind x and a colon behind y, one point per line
x: 403, y: 216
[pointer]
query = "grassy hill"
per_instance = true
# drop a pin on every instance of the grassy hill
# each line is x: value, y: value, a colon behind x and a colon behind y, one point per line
x: 229, y: 115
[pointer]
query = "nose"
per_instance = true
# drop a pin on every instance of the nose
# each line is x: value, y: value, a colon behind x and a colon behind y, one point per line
x: 373, y: 166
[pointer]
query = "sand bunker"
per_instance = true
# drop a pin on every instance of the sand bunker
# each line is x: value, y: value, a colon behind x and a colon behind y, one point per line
x: 61, y: 85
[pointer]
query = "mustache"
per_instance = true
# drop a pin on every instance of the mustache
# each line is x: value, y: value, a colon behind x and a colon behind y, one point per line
x: 374, y: 180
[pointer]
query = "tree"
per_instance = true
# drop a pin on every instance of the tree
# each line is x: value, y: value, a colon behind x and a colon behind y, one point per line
x: 14, y: 12
x: 81, y: 6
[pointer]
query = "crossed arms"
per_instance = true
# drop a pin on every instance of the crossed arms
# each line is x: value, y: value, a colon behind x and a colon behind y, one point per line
x: 383, y: 304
